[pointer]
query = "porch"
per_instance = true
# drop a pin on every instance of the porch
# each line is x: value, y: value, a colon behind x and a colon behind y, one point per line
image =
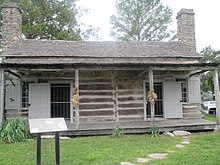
x: 116, y: 95
x: 129, y: 127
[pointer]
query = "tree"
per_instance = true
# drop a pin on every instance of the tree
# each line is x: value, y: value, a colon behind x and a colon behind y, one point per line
x: 142, y: 20
x: 209, y: 56
x: 53, y: 19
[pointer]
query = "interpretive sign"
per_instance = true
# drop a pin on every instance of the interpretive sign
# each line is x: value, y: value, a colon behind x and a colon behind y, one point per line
x: 46, y: 125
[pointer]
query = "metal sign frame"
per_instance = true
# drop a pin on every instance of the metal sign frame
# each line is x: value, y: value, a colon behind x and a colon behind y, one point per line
x: 47, y: 125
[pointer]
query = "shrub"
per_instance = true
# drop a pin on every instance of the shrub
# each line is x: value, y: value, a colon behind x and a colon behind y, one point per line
x: 117, y: 132
x: 154, y: 131
x: 14, y: 130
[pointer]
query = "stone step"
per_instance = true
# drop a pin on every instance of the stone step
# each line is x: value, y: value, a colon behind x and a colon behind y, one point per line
x: 192, y: 115
x: 193, y: 112
x: 190, y: 110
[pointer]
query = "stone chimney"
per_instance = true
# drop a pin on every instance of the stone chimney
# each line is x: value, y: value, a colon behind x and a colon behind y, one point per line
x: 186, y: 27
x: 11, y: 25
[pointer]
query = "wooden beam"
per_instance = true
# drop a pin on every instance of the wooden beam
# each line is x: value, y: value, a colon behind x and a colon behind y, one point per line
x: 217, y: 96
x: 198, y: 72
x: 77, y: 106
x: 1, y: 96
x: 142, y: 73
x: 151, y: 87
x: 14, y: 74
x: 70, y: 67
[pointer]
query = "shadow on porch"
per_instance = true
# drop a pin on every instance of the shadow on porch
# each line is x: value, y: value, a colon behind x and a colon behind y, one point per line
x: 103, y: 128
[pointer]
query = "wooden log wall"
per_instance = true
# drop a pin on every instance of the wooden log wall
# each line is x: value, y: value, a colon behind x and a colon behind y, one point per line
x: 129, y: 95
x: 110, y: 96
x: 96, y: 96
x: 107, y: 95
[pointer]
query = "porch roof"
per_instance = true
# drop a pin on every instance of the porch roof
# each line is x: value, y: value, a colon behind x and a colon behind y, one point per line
x: 154, y: 66
x: 98, y: 52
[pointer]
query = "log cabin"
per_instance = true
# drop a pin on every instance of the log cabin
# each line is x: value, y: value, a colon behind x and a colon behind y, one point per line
x: 96, y: 85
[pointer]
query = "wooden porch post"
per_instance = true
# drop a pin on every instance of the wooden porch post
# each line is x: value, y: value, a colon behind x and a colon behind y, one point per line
x: 77, y: 94
x: 71, y: 105
x: 217, y: 97
x: 115, y: 95
x: 1, y: 95
x: 151, y: 86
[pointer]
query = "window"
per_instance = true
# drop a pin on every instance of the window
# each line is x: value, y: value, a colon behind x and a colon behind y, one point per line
x: 183, y: 88
x: 158, y: 87
x: 60, y: 100
x: 25, y: 95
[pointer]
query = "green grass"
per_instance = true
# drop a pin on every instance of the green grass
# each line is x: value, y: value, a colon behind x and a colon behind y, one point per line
x: 203, y: 150
x: 103, y: 150
x: 87, y: 150
x: 210, y: 117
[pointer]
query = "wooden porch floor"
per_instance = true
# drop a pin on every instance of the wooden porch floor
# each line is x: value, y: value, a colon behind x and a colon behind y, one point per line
x: 102, y: 128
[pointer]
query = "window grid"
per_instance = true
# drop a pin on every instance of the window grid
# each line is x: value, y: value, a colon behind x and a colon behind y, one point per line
x: 184, y: 93
x: 60, y: 100
x: 25, y: 95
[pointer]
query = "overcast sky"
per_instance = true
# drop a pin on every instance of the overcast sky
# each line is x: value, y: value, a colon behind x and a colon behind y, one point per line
x: 207, y: 15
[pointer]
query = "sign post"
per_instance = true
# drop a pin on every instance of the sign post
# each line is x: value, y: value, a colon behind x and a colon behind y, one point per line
x: 57, y: 147
x: 46, y: 125
x: 39, y: 149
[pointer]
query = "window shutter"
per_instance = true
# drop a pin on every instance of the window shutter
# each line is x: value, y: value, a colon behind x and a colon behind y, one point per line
x: 13, y: 94
x: 194, y: 92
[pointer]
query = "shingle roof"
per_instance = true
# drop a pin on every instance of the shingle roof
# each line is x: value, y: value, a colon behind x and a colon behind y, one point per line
x: 53, y: 51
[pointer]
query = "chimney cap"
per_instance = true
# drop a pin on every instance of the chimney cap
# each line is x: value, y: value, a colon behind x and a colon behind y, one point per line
x: 11, y: 5
x: 185, y: 11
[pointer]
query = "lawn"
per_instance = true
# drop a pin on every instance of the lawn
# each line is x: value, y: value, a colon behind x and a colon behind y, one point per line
x: 203, y: 150
x: 210, y: 117
x: 100, y: 150
x: 87, y: 150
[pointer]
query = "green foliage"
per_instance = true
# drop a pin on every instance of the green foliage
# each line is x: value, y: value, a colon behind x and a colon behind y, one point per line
x: 14, y: 130
x: 117, y: 132
x: 142, y: 20
x: 49, y: 19
x: 209, y: 56
x: 207, y: 82
x: 53, y: 19
x: 154, y: 131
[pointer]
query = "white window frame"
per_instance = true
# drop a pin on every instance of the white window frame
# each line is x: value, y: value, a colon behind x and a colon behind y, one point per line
x: 26, y: 80
x: 185, y: 82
